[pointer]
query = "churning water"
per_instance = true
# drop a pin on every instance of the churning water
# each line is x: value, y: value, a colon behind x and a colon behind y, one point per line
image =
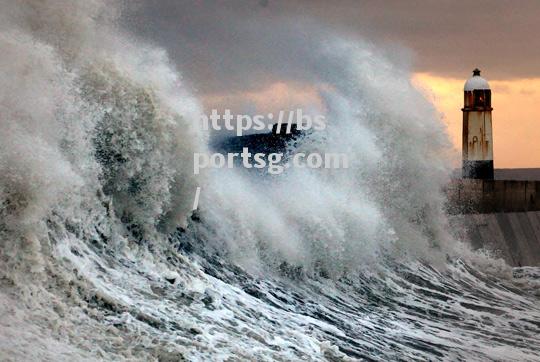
x: 101, y: 259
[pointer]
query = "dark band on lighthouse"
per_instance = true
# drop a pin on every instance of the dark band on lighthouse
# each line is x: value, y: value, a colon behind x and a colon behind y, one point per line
x: 477, y: 129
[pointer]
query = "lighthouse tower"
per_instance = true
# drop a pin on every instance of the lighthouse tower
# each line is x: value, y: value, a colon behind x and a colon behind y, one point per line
x: 477, y: 130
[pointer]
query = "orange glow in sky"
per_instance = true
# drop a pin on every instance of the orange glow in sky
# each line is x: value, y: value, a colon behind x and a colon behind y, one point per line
x: 277, y: 96
x: 516, y: 111
x: 516, y: 116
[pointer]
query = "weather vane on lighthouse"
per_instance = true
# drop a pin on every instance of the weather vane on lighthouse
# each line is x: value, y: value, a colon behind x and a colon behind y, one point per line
x: 477, y: 129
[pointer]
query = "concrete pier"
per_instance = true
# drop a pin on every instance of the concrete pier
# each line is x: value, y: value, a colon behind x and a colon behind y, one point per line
x: 489, y: 196
x: 502, y: 216
x: 513, y: 236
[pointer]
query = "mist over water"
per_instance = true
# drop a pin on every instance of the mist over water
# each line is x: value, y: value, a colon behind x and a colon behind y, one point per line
x: 102, y: 259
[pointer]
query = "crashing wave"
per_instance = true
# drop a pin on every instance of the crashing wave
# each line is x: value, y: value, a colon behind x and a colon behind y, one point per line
x: 102, y: 259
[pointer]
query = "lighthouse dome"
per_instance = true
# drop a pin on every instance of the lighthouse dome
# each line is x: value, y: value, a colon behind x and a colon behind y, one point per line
x: 476, y: 82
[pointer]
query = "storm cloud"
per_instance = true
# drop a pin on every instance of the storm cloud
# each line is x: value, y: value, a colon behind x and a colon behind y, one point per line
x: 238, y: 45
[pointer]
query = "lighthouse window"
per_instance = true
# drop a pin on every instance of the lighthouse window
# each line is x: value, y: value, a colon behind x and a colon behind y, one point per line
x: 479, y: 98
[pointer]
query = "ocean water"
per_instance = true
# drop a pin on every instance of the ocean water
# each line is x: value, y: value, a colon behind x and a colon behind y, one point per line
x: 101, y: 257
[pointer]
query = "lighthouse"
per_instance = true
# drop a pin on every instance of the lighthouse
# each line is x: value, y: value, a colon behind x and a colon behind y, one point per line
x: 477, y: 129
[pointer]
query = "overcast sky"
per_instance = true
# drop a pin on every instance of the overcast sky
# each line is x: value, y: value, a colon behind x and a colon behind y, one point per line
x: 243, y: 52
x: 238, y: 43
